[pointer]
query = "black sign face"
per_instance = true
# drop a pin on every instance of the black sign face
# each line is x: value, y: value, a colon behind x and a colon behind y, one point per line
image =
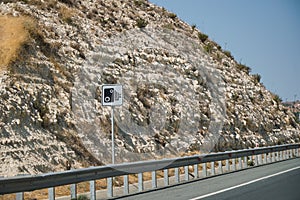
x: 112, y: 95
x: 109, y: 95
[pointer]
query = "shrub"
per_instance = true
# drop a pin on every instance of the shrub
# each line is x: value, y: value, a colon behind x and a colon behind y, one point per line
x: 228, y: 54
x: 277, y: 98
x: 208, y: 48
x: 168, y: 26
x: 141, y: 23
x: 139, y: 2
x: 251, y: 163
x: 203, y: 37
x: 172, y: 15
x: 257, y: 78
x: 244, y: 68
x: 81, y: 197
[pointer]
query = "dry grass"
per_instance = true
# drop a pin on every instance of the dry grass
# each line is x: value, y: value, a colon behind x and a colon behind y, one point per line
x: 14, y: 31
x: 67, y: 13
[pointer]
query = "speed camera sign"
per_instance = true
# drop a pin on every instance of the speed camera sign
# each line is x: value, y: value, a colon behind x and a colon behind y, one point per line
x: 112, y: 95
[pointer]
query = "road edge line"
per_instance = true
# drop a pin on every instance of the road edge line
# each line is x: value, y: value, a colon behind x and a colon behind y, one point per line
x: 243, y: 184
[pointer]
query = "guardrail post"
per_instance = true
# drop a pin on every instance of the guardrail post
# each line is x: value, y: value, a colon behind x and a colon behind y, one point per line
x: 196, y: 171
x: 51, y: 193
x: 126, y: 184
x: 245, y: 162
x: 92, y: 190
x: 275, y: 157
x: 177, y: 179
x: 20, y: 196
x: 227, y: 167
x: 265, y: 158
x: 233, y: 164
x: 166, y: 177
x: 297, y: 152
x: 204, y: 170
x: 281, y: 157
x: 294, y: 153
x: 73, y: 191
x: 109, y: 187
x: 255, y: 160
x: 240, y: 163
x: 220, y: 167
x: 154, y: 179
x: 269, y: 155
x: 186, y: 173
x: 212, y: 168
x: 140, y: 182
x: 286, y: 154
x: 259, y: 159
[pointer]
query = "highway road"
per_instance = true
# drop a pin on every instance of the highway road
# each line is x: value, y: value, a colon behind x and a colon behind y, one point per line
x: 274, y: 181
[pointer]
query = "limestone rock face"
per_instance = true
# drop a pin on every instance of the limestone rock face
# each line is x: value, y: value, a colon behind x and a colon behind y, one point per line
x: 181, y: 93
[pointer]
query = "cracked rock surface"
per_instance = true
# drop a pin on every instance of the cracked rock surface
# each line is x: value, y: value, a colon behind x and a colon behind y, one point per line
x: 181, y: 94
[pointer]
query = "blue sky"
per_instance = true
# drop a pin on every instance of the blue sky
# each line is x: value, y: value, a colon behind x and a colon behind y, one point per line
x: 262, y: 34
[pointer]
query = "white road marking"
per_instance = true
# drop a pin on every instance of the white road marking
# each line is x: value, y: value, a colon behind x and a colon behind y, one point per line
x: 243, y: 184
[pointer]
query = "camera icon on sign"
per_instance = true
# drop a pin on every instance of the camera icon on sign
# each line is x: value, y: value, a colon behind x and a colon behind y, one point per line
x: 109, y: 95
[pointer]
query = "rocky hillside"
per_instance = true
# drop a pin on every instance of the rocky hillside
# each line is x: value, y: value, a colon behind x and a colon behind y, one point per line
x: 182, y: 92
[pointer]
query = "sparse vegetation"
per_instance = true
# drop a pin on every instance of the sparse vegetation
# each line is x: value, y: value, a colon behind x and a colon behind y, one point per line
x: 81, y: 197
x: 10, y: 41
x: 208, y: 48
x: 244, y: 68
x: 168, y: 26
x: 251, y: 163
x: 139, y: 2
x: 277, y: 98
x: 141, y: 23
x: 203, y: 37
x: 228, y: 54
x: 172, y: 15
x: 194, y: 26
x: 257, y: 78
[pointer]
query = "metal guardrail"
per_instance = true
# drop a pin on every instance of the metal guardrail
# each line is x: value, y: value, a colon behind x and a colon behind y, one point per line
x: 51, y: 180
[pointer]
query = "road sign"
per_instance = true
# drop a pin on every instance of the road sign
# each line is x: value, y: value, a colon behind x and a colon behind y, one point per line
x: 112, y: 95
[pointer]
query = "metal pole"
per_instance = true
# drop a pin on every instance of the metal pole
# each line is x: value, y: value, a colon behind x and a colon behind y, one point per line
x: 112, y: 136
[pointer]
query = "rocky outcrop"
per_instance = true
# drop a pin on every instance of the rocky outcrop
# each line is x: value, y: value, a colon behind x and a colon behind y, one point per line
x: 182, y: 92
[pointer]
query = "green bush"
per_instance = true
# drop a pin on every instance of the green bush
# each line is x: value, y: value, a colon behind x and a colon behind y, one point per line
x: 194, y: 27
x: 251, y: 163
x: 172, y: 15
x: 168, y: 26
x: 244, y: 68
x: 81, y: 197
x: 208, y: 48
x: 138, y: 2
x: 141, y: 23
x: 277, y: 98
x: 203, y: 37
x: 257, y: 78
x: 228, y: 54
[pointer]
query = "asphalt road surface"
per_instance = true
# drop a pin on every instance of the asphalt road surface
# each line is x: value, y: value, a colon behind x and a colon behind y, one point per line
x: 274, y: 181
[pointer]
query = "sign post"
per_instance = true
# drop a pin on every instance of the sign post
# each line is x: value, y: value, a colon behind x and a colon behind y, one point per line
x: 112, y: 95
